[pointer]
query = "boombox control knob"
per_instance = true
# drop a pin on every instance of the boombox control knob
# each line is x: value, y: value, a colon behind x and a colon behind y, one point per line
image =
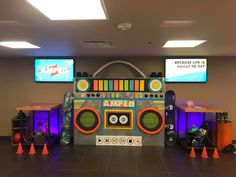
x: 145, y: 95
x: 113, y: 119
x: 93, y: 95
x: 161, y: 95
x: 151, y: 95
x: 123, y: 119
x: 156, y: 95
x: 98, y: 94
x: 88, y: 95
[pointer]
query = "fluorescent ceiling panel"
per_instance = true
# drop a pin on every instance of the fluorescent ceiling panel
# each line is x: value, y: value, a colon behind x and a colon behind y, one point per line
x: 18, y: 45
x: 183, y: 43
x: 71, y: 9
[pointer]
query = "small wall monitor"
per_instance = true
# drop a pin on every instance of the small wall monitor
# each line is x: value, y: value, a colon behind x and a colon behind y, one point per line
x: 193, y: 70
x: 53, y: 70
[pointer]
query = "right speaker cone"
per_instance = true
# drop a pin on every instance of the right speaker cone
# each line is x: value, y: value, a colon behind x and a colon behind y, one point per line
x: 150, y: 121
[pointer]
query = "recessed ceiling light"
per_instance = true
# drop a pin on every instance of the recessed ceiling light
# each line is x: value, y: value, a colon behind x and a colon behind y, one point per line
x: 18, y: 45
x: 71, y: 9
x: 183, y: 43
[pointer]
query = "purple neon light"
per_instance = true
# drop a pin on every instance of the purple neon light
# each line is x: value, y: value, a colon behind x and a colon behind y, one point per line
x: 194, y: 118
x: 54, y: 122
x: 41, y: 121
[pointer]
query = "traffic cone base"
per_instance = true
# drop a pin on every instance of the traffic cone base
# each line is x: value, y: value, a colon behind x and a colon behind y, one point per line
x: 45, y: 149
x: 204, y: 153
x: 192, y: 153
x: 19, y: 149
x: 215, y: 154
x: 32, y: 150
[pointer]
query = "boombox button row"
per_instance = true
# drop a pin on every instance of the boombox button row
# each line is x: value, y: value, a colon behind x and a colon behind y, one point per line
x: 93, y: 95
x: 153, y: 95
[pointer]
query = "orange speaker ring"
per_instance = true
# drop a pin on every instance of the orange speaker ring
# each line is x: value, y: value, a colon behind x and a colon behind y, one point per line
x: 82, y: 130
x: 147, y: 131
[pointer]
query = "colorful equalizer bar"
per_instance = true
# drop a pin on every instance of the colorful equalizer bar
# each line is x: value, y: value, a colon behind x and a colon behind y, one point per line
x: 118, y: 85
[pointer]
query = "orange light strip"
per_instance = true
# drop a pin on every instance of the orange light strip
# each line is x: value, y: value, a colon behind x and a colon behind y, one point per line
x: 116, y: 85
x: 136, y: 85
x: 95, y: 85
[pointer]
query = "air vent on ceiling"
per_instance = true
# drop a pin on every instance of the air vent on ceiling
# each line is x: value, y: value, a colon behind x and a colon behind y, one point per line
x: 177, y: 23
x: 97, y: 44
x: 9, y: 22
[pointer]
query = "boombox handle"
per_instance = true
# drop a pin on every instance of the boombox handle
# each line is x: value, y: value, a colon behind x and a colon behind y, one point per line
x: 119, y: 62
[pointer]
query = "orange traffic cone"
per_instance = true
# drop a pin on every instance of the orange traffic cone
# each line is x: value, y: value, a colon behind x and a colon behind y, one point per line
x: 215, y: 154
x: 19, y: 149
x: 204, y: 153
x: 192, y: 153
x: 45, y: 149
x: 32, y: 150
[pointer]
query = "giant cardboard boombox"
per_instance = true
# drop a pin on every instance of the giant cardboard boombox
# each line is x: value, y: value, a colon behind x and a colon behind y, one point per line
x: 119, y: 111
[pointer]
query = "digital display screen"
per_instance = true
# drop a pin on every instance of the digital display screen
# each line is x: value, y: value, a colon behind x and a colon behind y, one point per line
x: 53, y: 70
x: 186, y: 70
